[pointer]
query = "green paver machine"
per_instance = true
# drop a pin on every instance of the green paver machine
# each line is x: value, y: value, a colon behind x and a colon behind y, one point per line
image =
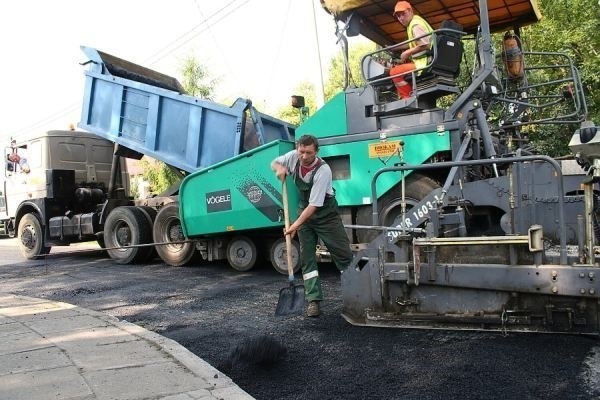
x: 241, y: 198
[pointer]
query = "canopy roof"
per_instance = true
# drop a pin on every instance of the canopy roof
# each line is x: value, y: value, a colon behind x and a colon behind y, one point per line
x: 376, y: 22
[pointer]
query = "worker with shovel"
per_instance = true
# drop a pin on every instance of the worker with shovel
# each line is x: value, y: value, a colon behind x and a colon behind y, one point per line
x: 318, y: 216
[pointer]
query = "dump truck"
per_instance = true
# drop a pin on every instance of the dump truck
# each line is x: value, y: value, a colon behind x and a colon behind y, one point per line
x: 459, y: 222
x: 76, y: 187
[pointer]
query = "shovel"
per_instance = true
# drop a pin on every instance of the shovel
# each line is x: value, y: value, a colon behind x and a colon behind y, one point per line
x: 291, y: 298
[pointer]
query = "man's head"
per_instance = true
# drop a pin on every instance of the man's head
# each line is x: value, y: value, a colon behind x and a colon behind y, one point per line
x: 403, y: 12
x: 307, y: 147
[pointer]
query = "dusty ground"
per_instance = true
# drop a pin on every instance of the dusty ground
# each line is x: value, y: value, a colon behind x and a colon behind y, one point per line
x: 211, y: 308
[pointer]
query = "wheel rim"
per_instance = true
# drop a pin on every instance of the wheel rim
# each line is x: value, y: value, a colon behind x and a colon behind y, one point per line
x: 173, y: 233
x: 240, y: 253
x: 28, y: 237
x: 279, y: 257
x: 122, y: 234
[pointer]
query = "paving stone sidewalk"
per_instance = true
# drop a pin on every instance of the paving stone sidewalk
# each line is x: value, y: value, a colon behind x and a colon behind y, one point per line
x: 52, y: 350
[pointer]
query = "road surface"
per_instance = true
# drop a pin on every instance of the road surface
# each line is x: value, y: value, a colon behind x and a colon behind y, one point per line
x: 210, y: 308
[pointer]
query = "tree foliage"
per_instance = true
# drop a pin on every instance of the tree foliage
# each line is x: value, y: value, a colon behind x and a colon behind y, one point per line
x: 571, y: 27
x: 158, y: 174
x: 195, y: 78
x: 333, y: 84
x: 291, y: 114
x: 335, y: 80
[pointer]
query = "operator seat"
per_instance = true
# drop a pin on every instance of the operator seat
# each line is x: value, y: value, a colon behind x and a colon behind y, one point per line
x: 437, y: 80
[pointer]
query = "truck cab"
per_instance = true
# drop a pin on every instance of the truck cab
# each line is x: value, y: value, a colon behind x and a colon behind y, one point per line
x: 59, y: 173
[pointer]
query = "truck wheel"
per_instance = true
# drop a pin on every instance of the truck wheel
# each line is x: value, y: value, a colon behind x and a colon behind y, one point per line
x: 241, y: 253
x: 31, y: 237
x: 127, y: 226
x: 278, y: 255
x: 417, y: 187
x: 167, y: 228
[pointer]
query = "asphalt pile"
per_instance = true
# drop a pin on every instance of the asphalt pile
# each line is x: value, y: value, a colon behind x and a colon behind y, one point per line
x: 263, y: 351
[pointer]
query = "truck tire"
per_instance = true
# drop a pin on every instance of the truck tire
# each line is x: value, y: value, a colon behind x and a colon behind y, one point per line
x: 417, y: 187
x: 150, y: 214
x: 127, y: 226
x: 278, y: 255
x: 241, y: 253
x: 31, y: 237
x: 167, y: 228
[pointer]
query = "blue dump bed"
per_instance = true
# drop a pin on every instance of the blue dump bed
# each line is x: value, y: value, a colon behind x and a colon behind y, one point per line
x: 147, y: 112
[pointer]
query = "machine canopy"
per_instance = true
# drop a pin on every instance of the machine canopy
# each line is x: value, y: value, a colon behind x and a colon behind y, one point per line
x: 374, y: 20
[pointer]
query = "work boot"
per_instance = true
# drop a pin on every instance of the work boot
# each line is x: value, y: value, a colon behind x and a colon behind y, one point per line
x: 313, y: 309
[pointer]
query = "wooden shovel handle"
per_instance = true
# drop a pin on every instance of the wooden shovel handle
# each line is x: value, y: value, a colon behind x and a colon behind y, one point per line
x: 288, y: 238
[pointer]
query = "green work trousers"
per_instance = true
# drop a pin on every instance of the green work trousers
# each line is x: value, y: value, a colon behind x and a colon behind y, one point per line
x: 326, y: 225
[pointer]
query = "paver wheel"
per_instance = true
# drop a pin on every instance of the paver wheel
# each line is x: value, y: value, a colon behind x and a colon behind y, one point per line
x: 278, y: 255
x: 31, y: 237
x: 167, y: 228
x: 417, y: 187
x: 127, y: 226
x: 241, y: 253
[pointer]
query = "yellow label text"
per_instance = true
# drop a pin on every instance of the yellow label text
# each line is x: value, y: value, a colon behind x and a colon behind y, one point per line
x: 383, y: 149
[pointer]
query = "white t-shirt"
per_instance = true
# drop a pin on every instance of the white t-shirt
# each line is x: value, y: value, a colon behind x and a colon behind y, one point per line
x: 321, y: 183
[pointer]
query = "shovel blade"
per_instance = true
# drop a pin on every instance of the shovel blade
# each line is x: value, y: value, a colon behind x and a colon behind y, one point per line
x: 291, y: 301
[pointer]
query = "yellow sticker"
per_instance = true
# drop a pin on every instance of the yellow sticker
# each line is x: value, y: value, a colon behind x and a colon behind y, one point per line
x: 383, y: 149
x: 230, y: 228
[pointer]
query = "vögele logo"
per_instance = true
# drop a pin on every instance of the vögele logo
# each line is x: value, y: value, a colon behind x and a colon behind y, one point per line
x: 218, y: 201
